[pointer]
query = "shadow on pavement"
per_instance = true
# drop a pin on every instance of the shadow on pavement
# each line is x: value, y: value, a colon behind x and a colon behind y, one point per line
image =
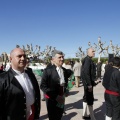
x: 73, y: 92
x: 75, y: 105
x: 69, y: 116
x: 100, y: 111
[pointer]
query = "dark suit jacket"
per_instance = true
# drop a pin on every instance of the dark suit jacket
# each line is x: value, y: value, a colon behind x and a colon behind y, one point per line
x: 1, y: 71
x: 29, y: 69
x: 50, y: 82
x: 88, y: 72
x: 49, y: 65
x: 13, y: 99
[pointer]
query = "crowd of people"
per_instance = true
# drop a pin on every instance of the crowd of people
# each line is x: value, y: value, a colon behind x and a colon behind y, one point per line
x: 20, y: 92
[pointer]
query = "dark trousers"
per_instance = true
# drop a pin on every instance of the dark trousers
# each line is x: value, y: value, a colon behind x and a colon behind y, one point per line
x: 112, y: 106
x: 88, y: 97
x: 98, y: 74
x: 54, y: 112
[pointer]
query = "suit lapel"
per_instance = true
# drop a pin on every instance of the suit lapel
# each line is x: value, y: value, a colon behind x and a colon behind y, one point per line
x: 32, y: 79
x: 13, y: 80
x: 55, y: 74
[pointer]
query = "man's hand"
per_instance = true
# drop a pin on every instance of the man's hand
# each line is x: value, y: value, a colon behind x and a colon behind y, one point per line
x: 90, y: 89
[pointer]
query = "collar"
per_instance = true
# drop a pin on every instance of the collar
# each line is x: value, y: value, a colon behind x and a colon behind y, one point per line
x: 89, y: 56
x: 57, y: 68
x: 18, y: 72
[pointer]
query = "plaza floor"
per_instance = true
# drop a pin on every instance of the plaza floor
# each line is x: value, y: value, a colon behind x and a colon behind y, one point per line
x: 74, y: 107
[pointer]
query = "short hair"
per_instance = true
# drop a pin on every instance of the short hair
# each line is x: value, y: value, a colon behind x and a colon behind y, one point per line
x: 57, y: 52
x: 91, y: 48
x: 116, y: 61
x: 13, y: 51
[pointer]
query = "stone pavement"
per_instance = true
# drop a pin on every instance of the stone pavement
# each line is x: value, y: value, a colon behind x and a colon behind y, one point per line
x: 73, y: 105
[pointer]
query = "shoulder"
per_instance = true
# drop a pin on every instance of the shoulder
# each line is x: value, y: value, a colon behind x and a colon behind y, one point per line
x: 4, y: 73
x: 49, y: 65
x: 87, y: 60
x: 29, y: 69
x: 67, y: 71
x: 49, y: 69
x: 116, y: 71
x: 3, y: 76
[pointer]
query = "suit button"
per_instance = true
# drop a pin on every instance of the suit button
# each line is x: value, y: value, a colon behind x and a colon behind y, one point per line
x: 24, y: 116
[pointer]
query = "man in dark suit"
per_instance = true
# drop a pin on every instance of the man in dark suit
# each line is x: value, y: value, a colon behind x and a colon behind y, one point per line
x: 19, y: 90
x: 88, y: 75
x: 54, y: 84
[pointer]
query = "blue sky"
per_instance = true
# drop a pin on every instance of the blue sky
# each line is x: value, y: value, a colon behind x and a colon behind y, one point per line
x: 64, y: 24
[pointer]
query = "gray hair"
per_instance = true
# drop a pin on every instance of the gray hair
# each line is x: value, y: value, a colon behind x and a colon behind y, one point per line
x: 57, y: 52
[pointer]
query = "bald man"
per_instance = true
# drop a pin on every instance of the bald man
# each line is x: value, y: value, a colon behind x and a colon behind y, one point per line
x: 88, y: 75
x: 19, y: 90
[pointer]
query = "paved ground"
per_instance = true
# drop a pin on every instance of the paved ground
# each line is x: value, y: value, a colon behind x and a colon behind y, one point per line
x: 74, y: 104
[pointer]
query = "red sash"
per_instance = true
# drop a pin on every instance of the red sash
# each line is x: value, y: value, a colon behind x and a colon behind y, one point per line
x: 112, y: 92
x: 31, y: 117
x: 60, y: 92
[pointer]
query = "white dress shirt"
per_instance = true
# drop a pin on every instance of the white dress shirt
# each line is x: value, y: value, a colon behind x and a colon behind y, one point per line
x: 25, y: 82
x: 61, y: 75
